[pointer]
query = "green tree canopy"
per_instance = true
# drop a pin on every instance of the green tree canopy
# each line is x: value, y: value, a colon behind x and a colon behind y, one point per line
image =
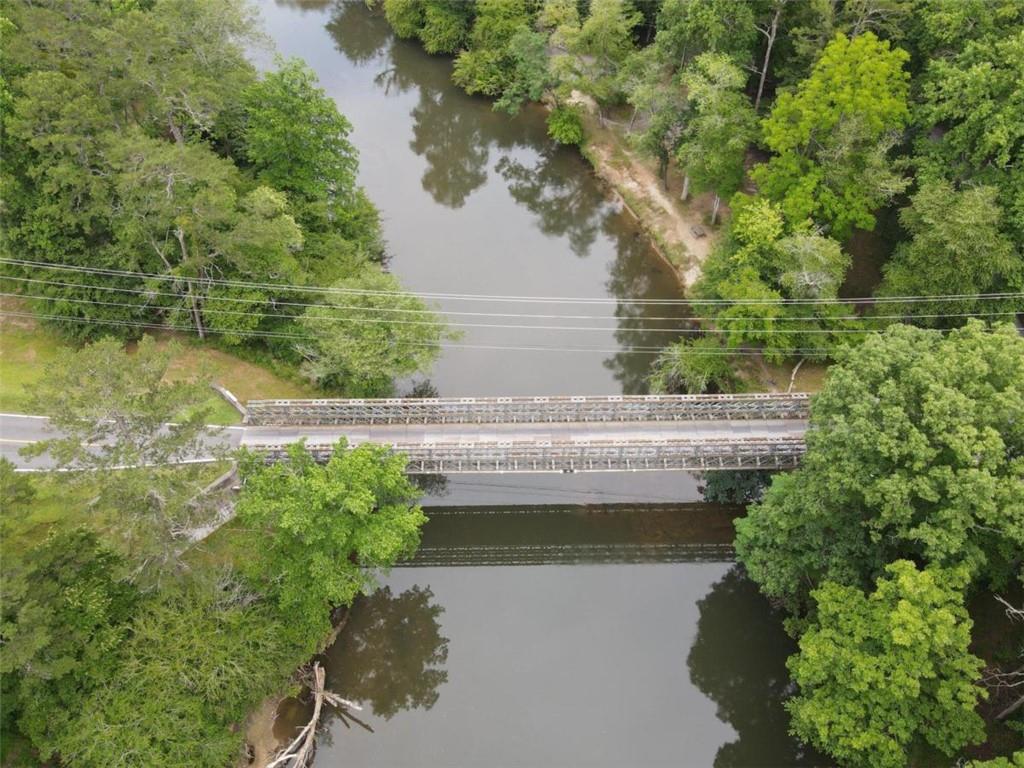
x: 723, y: 125
x: 687, y: 29
x: 66, y: 612
x: 956, y: 248
x: 877, y: 672
x: 358, y: 344
x: 327, y: 528
x: 831, y: 136
x: 295, y: 136
x: 203, y: 654
x: 598, y: 48
x: 694, y: 366
x: 120, y: 416
x: 915, y: 451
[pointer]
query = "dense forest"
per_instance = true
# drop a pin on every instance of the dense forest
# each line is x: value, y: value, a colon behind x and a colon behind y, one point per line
x: 813, y: 120
x: 152, y: 179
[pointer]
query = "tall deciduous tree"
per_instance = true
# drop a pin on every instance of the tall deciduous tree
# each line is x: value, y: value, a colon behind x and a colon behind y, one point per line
x: 598, y: 48
x: 970, y: 110
x: 878, y: 671
x: 687, y: 29
x: 358, y: 343
x: 295, y: 136
x: 956, y: 247
x: 723, y: 125
x: 328, y: 527
x: 831, y: 136
x: 914, y: 452
x: 118, y: 415
x: 178, y: 209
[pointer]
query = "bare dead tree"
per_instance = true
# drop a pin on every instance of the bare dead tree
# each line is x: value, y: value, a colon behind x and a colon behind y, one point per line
x: 299, y: 751
x: 1011, y: 681
x: 770, y: 32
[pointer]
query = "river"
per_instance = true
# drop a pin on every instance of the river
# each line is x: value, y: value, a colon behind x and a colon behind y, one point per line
x: 548, y: 620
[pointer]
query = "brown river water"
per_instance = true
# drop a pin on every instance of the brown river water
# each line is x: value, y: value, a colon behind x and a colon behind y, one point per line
x: 548, y: 620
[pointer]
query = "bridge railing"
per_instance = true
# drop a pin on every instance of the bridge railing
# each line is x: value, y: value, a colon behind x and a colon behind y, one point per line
x: 595, y: 456
x: 502, y: 410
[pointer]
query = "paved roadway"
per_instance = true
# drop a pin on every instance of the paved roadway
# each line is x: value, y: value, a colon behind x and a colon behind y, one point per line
x: 17, y: 431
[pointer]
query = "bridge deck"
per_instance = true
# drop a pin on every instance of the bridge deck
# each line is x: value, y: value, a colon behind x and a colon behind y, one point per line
x: 569, y: 447
x: 573, y: 432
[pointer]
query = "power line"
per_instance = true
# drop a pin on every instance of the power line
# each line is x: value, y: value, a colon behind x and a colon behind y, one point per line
x: 503, y: 298
x: 439, y: 345
x: 400, y: 310
x: 443, y: 324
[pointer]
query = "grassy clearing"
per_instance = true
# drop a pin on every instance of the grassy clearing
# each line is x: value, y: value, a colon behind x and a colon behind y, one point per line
x: 26, y: 349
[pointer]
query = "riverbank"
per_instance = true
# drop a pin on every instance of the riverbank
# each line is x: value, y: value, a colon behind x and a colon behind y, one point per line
x: 262, y: 736
x: 673, y: 225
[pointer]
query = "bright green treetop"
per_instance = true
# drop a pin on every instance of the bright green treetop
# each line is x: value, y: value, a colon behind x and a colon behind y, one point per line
x: 328, y: 527
x: 831, y: 136
x: 916, y: 450
x: 876, y: 672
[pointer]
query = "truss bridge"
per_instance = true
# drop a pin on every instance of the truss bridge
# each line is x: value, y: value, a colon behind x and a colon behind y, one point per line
x: 546, y: 434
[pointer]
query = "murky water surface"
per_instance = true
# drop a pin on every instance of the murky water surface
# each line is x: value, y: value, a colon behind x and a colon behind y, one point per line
x: 548, y: 620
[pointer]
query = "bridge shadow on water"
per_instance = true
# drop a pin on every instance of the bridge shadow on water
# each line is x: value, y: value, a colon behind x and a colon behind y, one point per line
x: 576, y: 534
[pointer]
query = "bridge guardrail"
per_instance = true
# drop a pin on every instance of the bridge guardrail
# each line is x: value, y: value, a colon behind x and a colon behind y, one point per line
x: 506, y: 410
x: 595, y: 456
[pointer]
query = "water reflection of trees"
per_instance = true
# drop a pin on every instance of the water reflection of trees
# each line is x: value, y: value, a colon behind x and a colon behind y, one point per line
x: 738, y: 659
x: 565, y: 201
x: 449, y: 140
x: 391, y: 653
x: 457, y: 135
x: 358, y: 33
x: 632, y: 277
x: 304, y: 5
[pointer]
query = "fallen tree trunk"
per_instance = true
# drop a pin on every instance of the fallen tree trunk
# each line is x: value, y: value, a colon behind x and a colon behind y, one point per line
x: 299, y: 751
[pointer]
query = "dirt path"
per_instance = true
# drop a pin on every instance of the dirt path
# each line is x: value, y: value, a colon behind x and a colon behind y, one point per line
x: 669, y: 221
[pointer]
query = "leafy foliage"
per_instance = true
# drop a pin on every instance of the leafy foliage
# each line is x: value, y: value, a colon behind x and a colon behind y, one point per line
x: 66, y: 612
x: 295, y: 137
x: 327, y: 527
x: 914, y: 452
x: 831, y: 137
x: 957, y: 247
x: 723, y: 125
x: 358, y: 346
x: 119, y: 416
x: 694, y: 367
x: 565, y: 125
x: 140, y: 140
x: 878, y: 671
x: 598, y: 48
x: 200, y: 657
x: 113, y: 408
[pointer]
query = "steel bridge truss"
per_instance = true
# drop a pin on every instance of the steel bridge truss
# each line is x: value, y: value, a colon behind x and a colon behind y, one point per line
x: 507, y: 410
x: 594, y: 456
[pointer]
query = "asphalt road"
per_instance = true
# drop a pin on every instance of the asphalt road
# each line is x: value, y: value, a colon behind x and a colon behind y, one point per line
x: 17, y: 431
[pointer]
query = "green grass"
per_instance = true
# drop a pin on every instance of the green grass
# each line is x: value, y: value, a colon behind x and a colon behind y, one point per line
x: 26, y: 349
x: 24, y: 355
